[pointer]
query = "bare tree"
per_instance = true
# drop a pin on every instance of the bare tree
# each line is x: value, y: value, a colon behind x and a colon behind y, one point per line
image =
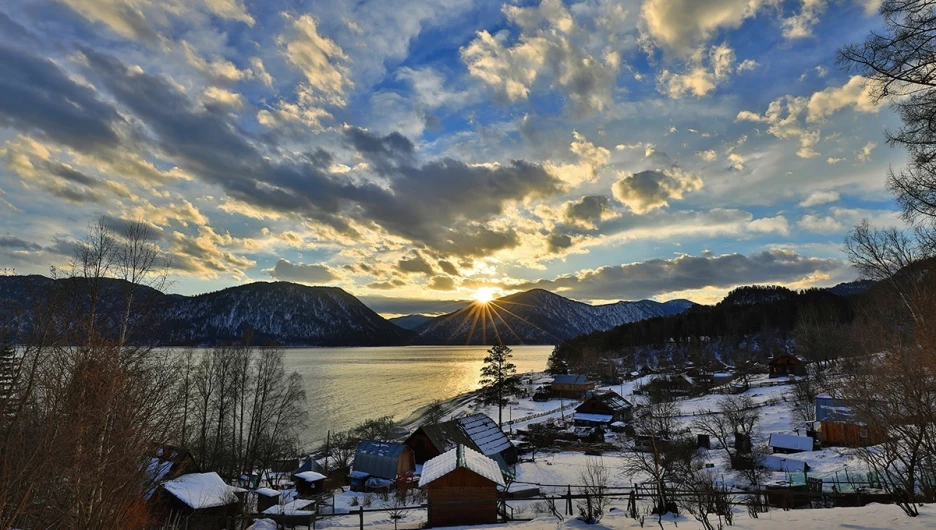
x: 656, y: 427
x: 594, y: 479
x: 735, y: 414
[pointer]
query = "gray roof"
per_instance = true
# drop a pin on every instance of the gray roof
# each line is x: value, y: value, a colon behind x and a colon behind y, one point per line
x: 478, y: 432
x: 378, y: 459
x: 569, y: 379
x: 614, y: 401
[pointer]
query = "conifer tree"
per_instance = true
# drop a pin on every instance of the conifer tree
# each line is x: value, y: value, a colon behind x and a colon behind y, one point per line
x: 499, y: 379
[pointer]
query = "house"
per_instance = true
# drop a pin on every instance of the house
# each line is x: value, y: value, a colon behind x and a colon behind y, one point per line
x: 202, y: 500
x: 167, y: 462
x: 571, y: 386
x: 477, y: 432
x: 675, y: 385
x: 379, y: 464
x: 838, y: 426
x: 788, y: 443
x: 785, y: 365
x: 603, y: 409
x: 461, y: 487
x: 309, y: 483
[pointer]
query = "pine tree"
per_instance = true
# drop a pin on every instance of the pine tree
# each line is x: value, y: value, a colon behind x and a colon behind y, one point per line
x: 499, y: 379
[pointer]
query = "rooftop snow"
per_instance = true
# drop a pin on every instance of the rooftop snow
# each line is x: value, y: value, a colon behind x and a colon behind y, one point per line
x: 789, y: 441
x: 295, y: 507
x: 310, y: 476
x: 485, y: 434
x: 201, y: 490
x: 463, y: 457
x: 268, y: 492
x: 593, y: 418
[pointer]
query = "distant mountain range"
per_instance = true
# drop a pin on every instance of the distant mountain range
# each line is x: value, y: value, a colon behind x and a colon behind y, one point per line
x: 297, y: 315
x: 536, y: 317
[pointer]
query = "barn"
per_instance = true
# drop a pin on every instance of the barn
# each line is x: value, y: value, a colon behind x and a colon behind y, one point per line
x: 477, y: 432
x: 461, y: 488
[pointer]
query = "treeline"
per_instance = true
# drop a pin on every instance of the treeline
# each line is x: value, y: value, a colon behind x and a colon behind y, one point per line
x: 85, y: 404
x: 749, y: 318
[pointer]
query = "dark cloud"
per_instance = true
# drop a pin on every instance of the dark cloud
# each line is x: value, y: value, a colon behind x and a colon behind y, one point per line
x: 559, y: 242
x: 588, y: 208
x: 442, y: 204
x: 382, y: 286
x: 17, y: 243
x: 660, y: 276
x: 62, y: 247
x: 407, y: 306
x: 415, y: 265
x: 648, y: 190
x: 442, y: 283
x: 287, y: 271
x: 36, y: 95
x: 448, y: 267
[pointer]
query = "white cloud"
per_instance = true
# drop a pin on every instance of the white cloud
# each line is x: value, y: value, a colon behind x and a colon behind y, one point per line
x: 704, y: 71
x: 318, y: 57
x: 221, y: 96
x: 708, y: 156
x: 820, y: 197
x: 864, y: 154
x: 681, y: 25
x: 856, y: 93
x: 778, y: 224
x: 820, y: 224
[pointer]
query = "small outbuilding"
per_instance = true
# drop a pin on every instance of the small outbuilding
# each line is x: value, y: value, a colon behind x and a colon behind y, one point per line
x: 379, y: 464
x: 267, y: 497
x: 788, y: 443
x: 785, y: 365
x: 461, y: 488
x: 838, y: 426
x: 571, y: 386
x: 202, y: 500
x: 309, y: 483
x: 606, y: 404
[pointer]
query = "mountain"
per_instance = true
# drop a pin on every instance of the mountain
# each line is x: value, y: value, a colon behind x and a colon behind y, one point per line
x: 411, y: 321
x: 287, y: 313
x: 537, y: 317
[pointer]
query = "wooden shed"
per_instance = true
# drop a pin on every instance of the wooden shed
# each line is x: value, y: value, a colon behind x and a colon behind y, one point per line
x: 838, y: 425
x: 788, y: 443
x: 199, y: 501
x: 309, y: 483
x: 384, y: 460
x: 461, y: 488
x: 786, y: 365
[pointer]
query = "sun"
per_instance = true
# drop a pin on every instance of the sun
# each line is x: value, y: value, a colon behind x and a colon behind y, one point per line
x: 484, y: 295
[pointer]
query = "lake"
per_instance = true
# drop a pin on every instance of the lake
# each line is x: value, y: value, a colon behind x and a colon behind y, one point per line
x: 345, y: 386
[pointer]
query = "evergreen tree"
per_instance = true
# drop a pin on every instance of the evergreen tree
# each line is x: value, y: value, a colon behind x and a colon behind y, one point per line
x: 499, y: 379
x: 556, y: 365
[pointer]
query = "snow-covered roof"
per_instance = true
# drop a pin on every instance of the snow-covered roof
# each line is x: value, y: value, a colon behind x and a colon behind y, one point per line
x: 485, y: 434
x: 461, y: 457
x: 358, y: 474
x: 779, y: 463
x: 201, y: 490
x: 295, y: 507
x: 789, y: 441
x: 263, y: 524
x: 310, y: 476
x: 593, y: 418
x: 379, y: 459
x: 268, y: 492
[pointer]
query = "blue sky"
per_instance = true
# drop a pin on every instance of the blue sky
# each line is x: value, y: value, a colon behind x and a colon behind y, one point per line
x: 415, y: 152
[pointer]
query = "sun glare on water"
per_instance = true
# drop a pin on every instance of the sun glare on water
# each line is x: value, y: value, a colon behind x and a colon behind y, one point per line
x: 484, y: 295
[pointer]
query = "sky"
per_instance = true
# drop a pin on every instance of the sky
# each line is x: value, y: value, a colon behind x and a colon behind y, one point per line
x: 415, y: 153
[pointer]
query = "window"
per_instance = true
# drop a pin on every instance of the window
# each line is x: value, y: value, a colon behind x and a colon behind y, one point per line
x: 863, y: 432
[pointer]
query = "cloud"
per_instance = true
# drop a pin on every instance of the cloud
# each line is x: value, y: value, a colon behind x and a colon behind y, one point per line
x: 857, y: 94
x: 648, y: 190
x: 315, y: 274
x: 415, y: 265
x: 680, y: 25
x: 17, y: 243
x: 778, y: 225
x: 704, y: 72
x: 319, y: 58
x: 660, y: 276
x: 552, y: 45
x: 819, y: 197
x: 820, y: 224
x: 447, y: 267
x: 406, y: 306
x: 442, y: 283
x: 863, y: 155
x: 708, y: 156
x: 589, y: 208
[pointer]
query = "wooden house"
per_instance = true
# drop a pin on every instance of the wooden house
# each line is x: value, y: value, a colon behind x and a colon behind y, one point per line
x: 838, y: 426
x: 477, y: 432
x: 788, y: 443
x: 603, y: 409
x: 198, y: 501
x: 673, y: 385
x: 571, y: 386
x: 785, y: 365
x: 309, y: 483
x: 461, y: 488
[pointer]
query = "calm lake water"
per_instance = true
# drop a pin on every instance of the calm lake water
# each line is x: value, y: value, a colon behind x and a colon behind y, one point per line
x: 345, y: 386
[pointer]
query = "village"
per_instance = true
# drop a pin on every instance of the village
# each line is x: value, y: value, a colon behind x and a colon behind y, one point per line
x: 571, y: 448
